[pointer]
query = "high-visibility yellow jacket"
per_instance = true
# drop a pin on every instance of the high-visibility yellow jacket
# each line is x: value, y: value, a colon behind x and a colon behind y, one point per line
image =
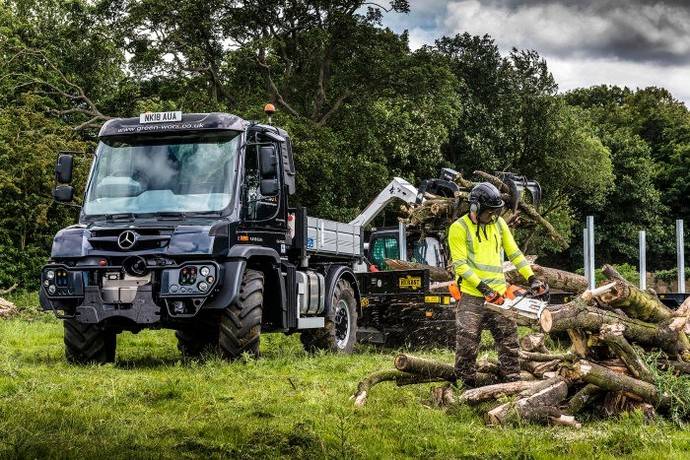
x: 477, y: 252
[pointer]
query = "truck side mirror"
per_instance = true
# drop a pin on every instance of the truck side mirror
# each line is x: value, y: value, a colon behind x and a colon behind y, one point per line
x: 63, y: 168
x: 63, y: 193
x: 268, y: 161
x: 269, y: 187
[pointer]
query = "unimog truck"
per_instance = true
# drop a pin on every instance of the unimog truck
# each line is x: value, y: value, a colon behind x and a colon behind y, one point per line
x: 186, y: 224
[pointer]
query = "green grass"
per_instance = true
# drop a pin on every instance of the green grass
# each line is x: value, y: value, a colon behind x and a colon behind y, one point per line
x: 150, y: 404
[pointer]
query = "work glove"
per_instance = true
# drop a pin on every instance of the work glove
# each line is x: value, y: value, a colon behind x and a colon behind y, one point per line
x: 537, y: 287
x: 490, y: 295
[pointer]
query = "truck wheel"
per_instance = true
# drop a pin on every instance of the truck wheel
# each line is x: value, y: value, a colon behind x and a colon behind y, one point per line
x: 202, y: 338
x: 88, y: 343
x: 340, y: 331
x: 240, y: 324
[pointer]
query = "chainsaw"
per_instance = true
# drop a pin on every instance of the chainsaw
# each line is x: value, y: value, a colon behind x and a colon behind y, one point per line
x: 519, y: 304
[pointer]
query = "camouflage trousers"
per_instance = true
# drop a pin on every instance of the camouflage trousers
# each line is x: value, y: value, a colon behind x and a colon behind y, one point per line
x: 470, y: 318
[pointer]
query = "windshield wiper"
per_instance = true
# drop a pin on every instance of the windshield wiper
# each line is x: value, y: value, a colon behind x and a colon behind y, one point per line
x: 120, y: 216
x: 207, y: 213
x: 170, y: 215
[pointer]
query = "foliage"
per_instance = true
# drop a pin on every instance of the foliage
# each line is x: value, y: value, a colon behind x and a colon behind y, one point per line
x: 627, y: 271
x: 670, y: 275
x: 361, y: 107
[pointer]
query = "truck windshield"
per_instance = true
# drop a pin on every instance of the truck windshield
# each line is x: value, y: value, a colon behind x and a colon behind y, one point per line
x: 169, y: 175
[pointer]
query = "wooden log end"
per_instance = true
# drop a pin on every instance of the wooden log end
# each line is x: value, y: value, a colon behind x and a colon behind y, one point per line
x: 400, y: 362
x: 565, y: 420
x: 546, y: 321
x: 360, y: 398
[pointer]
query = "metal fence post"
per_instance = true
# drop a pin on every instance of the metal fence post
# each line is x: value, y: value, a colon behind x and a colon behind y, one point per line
x: 680, y: 251
x: 590, y: 241
x: 402, y: 241
x: 643, y: 260
x: 585, y: 252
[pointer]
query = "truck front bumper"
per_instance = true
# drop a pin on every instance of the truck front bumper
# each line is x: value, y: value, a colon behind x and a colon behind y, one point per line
x: 76, y: 292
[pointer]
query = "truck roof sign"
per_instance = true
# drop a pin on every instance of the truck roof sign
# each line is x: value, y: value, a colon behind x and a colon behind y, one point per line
x: 160, y: 117
x: 166, y: 123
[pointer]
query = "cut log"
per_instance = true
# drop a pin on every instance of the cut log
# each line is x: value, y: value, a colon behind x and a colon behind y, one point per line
x: 537, y: 407
x: 538, y: 369
x: 400, y: 379
x: 442, y: 396
x: 611, y: 381
x: 680, y: 367
x: 578, y: 315
x: 556, y: 279
x: 360, y: 396
x: 612, y: 334
x: 579, y: 342
x: 487, y: 393
x: 424, y: 367
x: 582, y: 398
x: 7, y: 308
x: 633, y: 301
x: 565, y: 420
x: 543, y: 357
x: 436, y: 273
x: 533, y: 342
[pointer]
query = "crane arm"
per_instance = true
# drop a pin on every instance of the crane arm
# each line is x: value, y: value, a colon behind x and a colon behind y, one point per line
x: 397, y: 188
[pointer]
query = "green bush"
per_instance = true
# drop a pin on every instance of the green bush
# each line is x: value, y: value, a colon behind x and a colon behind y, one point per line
x: 22, y: 267
x: 670, y: 275
x: 627, y: 271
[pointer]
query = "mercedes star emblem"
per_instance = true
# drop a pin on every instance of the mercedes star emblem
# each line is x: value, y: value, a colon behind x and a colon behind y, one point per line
x: 127, y: 239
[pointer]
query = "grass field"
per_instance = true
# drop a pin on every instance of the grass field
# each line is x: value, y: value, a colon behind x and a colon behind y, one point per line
x: 150, y: 404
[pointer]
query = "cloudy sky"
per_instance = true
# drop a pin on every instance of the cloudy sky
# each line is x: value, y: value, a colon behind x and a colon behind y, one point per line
x: 634, y: 43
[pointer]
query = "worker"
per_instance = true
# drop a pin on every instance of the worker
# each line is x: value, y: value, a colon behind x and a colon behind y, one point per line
x: 477, y: 244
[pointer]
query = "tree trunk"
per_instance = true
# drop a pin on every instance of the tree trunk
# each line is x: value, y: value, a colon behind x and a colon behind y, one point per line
x: 634, y: 302
x: 556, y: 279
x: 612, y: 334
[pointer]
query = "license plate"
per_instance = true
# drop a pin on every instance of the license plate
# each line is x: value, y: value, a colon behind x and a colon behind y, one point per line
x: 160, y: 117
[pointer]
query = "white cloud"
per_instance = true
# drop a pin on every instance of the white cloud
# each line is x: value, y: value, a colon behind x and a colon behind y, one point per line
x: 634, y: 44
x: 575, y: 73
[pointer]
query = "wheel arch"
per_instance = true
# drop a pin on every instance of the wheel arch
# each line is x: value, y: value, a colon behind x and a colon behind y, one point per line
x: 335, y: 274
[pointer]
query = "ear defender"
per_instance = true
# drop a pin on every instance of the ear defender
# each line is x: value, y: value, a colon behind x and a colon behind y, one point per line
x: 474, y: 207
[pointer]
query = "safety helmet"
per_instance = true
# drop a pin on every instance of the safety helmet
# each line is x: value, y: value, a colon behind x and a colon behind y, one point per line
x: 485, y: 196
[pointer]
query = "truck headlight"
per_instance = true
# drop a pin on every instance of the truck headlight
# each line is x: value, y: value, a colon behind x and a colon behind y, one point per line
x: 50, y: 274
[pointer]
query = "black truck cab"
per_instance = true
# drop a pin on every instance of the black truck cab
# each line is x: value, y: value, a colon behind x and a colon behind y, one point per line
x: 186, y: 224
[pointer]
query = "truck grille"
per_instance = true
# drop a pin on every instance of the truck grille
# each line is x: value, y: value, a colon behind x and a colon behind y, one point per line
x: 146, y: 238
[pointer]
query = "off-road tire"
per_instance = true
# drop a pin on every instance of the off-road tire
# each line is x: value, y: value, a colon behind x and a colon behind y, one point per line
x: 202, y: 338
x: 88, y: 343
x: 240, y: 323
x: 333, y: 336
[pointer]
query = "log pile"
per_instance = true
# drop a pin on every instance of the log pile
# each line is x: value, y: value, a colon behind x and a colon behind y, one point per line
x: 7, y: 308
x: 628, y: 352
